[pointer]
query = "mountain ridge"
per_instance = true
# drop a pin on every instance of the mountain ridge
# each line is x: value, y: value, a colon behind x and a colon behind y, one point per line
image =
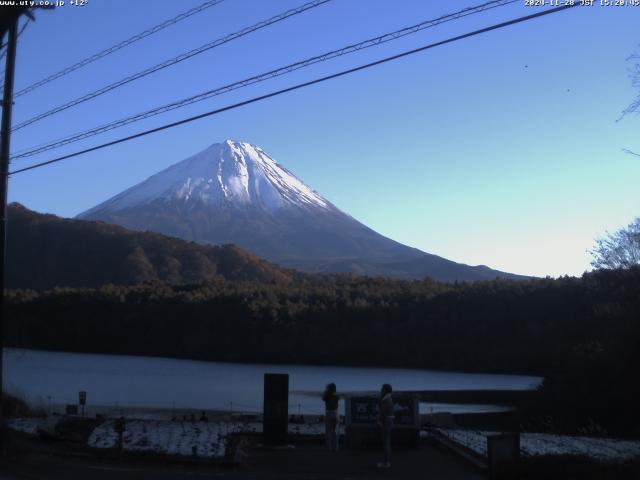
x: 47, y: 251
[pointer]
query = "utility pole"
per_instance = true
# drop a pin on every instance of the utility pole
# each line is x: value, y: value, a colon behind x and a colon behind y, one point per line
x: 5, y: 140
x: 8, y: 24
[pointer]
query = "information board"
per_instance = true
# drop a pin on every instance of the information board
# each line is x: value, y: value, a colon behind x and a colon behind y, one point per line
x: 363, y: 410
x: 71, y: 409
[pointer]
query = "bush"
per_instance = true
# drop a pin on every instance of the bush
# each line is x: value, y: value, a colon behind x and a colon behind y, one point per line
x: 14, y: 407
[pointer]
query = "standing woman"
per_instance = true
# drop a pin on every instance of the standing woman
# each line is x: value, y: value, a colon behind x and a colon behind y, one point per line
x: 331, y: 418
x: 385, y: 420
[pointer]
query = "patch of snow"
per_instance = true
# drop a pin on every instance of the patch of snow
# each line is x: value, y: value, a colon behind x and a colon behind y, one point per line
x: 180, y: 438
x: 32, y: 425
x: 548, y: 444
x: 172, y: 438
x: 599, y: 448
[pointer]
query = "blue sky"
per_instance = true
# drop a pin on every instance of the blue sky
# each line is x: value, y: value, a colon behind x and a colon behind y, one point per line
x: 501, y: 149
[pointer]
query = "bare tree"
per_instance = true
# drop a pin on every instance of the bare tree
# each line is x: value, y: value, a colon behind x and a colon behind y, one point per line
x: 620, y: 249
x: 634, y: 75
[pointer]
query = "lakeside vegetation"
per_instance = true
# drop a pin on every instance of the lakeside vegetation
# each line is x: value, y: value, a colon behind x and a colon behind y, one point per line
x: 14, y: 407
x: 581, y: 334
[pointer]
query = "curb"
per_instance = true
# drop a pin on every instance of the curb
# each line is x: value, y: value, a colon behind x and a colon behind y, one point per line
x: 478, y: 462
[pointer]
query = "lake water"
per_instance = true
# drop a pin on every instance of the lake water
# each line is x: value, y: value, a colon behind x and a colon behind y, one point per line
x: 53, y: 379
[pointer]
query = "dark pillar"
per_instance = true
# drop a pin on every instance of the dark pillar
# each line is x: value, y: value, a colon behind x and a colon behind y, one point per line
x: 5, y: 136
x: 276, y: 407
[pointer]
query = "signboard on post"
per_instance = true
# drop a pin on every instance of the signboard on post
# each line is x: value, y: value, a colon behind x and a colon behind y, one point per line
x: 276, y: 407
x: 82, y: 400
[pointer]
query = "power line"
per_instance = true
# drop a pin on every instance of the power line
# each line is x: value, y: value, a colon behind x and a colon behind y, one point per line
x: 119, y: 46
x: 299, y: 86
x: 173, y: 61
x: 262, y: 77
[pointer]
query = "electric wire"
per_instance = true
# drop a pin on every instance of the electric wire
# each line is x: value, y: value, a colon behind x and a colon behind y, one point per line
x: 299, y: 86
x: 173, y: 61
x: 262, y: 77
x: 119, y: 46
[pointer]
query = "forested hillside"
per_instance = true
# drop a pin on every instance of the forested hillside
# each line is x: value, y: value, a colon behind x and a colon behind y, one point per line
x: 582, y: 334
x: 46, y: 251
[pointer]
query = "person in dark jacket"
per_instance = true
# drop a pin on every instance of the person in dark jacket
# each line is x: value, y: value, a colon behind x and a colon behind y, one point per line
x: 331, y: 416
x: 385, y: 420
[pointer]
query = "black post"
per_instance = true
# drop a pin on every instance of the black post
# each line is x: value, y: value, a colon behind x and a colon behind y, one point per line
x: 276, y: 408
x: 5, y: 137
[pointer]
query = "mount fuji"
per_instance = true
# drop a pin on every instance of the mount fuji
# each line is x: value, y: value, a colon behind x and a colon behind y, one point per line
x: 233, y: 192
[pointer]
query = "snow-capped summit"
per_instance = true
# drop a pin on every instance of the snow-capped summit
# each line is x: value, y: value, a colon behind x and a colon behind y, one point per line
x: 233, y: 192
x: 232, y: 173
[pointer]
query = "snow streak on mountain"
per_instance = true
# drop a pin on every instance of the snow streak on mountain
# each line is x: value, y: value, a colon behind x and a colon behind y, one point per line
x: 229, y: 173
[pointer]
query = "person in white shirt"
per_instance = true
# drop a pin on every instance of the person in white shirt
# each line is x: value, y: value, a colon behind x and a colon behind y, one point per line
x: 331, y: 416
